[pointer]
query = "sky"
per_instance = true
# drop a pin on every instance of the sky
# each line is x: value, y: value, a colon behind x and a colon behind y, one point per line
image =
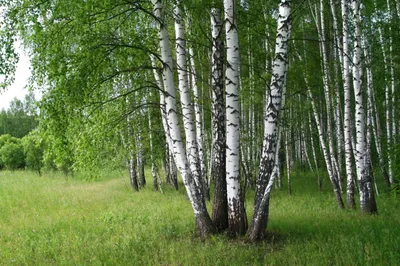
x: 17, y: 89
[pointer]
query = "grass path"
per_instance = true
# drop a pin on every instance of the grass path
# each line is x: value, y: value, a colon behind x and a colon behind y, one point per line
x: 48, y: 221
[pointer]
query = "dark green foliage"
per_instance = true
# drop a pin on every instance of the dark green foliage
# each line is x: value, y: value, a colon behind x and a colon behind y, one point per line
x: 12, y: 155
x: 33, y: 149
x: 8, y: 57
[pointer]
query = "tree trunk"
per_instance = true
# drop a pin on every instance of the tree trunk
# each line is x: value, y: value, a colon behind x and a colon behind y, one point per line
x: 367, y: 199
x: 186, y: 103
x: 348, y: 150
x: 325, y: 77
x: 315, y: 156
x: 156, y: 179
x: 199, y: 127
x: 140, y: 158
x: 288, y: 151
x: 333, y: 179
x: 387, y: 104
x: 236, y: 212
x: 218, y: 170
x: 374, y: 119
x: 273, y: 103
x: 170, y: 167
x: 204, y: 224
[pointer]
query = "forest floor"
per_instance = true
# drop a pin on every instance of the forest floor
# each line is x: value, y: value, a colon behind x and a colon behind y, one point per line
x: 50, y: 221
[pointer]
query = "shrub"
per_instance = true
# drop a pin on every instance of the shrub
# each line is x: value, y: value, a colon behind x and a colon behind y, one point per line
x: 12, y: 156
x: 33, y: 150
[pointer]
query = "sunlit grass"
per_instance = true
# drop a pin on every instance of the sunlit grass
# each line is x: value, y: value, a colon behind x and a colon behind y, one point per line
x: 50, y: 221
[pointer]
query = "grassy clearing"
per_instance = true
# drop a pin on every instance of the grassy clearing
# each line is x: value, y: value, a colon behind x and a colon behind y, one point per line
x: 50, y: 221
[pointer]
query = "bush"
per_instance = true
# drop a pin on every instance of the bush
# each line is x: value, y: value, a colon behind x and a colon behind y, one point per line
x: 12, y: 156
x: 33, y: 150
x: 6, y: 139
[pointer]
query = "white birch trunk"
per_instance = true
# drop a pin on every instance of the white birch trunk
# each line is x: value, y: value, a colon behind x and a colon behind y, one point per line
x: 154, y: 171
x: 367, y: 200
x: 325, y: 152
x: 287, y: 152
x: 130, y: 147
x: 170, y: 168
x: 199, y: 126
x: 203, y: 220
x: 329, y: 166
x: 348, y: 150
x: 273, y: 105
x: 374, y: 119
x: 304, y: 145
x: 236, y: 212
x: 387, y: 103
x: 325, y: 78
x: 277, y: 171
x: 315, y: 155
x: 186, y: 103
x: 392, y: 81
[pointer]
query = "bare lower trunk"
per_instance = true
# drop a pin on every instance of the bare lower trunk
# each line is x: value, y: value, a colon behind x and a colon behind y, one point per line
x: 199, y: 127
x: 236, y: 211
x: 388, y: 116
x: 218, y: 170
x: 203, y: 221
x: 170, y: 167
x: 367, y: 198
x: 265, y: 178
x: 373, y: 120
x: 153, y: 163
x: 347, y: 110
x: 192, y: 151
x: 315, y: 156
x: 287, y: 151
x: 140, y: 159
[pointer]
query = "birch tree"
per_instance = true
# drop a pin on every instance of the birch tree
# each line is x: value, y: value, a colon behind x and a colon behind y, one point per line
x: 236, y: 212
x: 273, y: 104
x: 199, y: 127
x: 203, y: 221
x: 347, y: 108
x: 367, y: 199
x: 218, y: 170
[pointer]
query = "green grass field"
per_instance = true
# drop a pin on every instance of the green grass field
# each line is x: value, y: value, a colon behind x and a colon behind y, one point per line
x: 50, y: 221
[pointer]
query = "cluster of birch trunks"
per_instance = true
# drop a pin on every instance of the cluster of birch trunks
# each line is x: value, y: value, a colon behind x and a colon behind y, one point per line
x: 327, y: 117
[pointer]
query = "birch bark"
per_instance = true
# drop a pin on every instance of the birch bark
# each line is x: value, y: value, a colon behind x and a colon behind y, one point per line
x: 374, y: 119
x: 328, y: 163
x: 236, y: 212
x: 218, y: 171
x: 347, y: 108
x: 132, y: 159
x: 387, y: 103
x: 199, y: 127
x: 203, y: 221
x: 184, y: 93
x: 325, y: 78
x: 273, y: 104
x: 154, y: 171
x: 367, y: 199
x: 169, y: 164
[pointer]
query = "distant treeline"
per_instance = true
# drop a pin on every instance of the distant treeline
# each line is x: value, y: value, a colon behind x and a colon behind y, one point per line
x: 20, y: 118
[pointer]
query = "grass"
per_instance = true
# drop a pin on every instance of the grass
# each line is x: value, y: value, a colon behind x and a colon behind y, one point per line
x: 50, y: 221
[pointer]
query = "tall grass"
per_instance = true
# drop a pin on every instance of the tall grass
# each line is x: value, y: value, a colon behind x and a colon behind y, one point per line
x: 51, y: 221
